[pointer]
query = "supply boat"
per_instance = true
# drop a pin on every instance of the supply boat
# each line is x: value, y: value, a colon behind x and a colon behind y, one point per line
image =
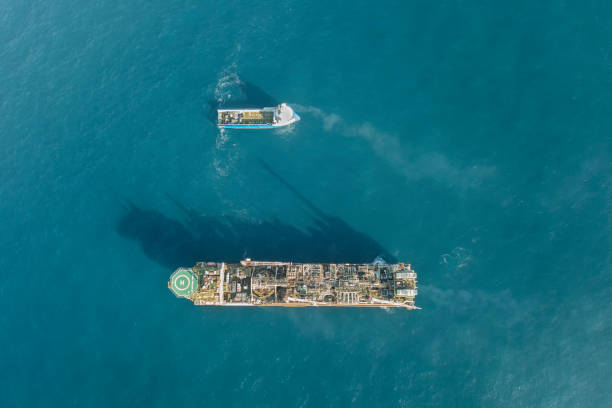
x: 264, y: 118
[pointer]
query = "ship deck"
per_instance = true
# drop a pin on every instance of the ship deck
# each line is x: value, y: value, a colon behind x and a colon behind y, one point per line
x: 245, y: 117
x: 282, y: 284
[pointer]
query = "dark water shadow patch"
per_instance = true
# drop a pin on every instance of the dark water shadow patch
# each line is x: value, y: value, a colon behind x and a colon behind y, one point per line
x: 193, y: 237
x: 182, y: 242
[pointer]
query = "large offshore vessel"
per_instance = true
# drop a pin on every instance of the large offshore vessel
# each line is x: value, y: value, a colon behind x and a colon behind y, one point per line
x: 264, y: 118
x: 253, y: 283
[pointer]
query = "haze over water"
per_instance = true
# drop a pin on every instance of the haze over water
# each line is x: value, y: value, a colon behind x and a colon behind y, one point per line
x: 470, y: 140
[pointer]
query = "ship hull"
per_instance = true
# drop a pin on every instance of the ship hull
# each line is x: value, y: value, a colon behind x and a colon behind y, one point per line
x: 264, y: 118
x: 286, y: 284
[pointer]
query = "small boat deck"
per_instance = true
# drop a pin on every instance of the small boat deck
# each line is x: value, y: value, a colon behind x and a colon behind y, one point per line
x: 246, y: 117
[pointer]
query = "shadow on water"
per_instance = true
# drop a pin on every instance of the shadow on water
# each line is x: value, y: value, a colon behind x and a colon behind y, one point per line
x: 196, y: 237
x: 245, y: 95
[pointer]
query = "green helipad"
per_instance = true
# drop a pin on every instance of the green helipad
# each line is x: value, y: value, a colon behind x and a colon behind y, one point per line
x: 183, y: 282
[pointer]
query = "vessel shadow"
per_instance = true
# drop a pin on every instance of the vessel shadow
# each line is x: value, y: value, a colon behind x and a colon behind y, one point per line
x: 197, y: 237
x: 182, y: 242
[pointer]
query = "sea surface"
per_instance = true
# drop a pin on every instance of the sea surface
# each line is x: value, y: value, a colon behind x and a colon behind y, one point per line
x: 470, y: 139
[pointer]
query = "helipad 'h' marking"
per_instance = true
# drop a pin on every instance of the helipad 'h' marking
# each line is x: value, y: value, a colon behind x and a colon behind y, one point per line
x: 184, y: 282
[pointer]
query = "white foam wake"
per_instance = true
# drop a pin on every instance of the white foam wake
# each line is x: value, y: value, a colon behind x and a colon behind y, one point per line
x: 227, y: 88
x: 398, y: 154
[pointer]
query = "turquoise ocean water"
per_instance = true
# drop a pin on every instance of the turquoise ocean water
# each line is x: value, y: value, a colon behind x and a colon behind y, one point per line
x: 471, y: 140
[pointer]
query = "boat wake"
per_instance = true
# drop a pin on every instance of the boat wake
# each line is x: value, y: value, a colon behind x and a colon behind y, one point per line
x: 225, y: 154
x: 227, y: 89
x: 414, y: 165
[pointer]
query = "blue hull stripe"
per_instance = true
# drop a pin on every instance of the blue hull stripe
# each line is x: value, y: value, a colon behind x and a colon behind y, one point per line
x: 246, y: 126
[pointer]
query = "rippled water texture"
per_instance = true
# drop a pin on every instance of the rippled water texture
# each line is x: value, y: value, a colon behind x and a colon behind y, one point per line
x: 470, y: 140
